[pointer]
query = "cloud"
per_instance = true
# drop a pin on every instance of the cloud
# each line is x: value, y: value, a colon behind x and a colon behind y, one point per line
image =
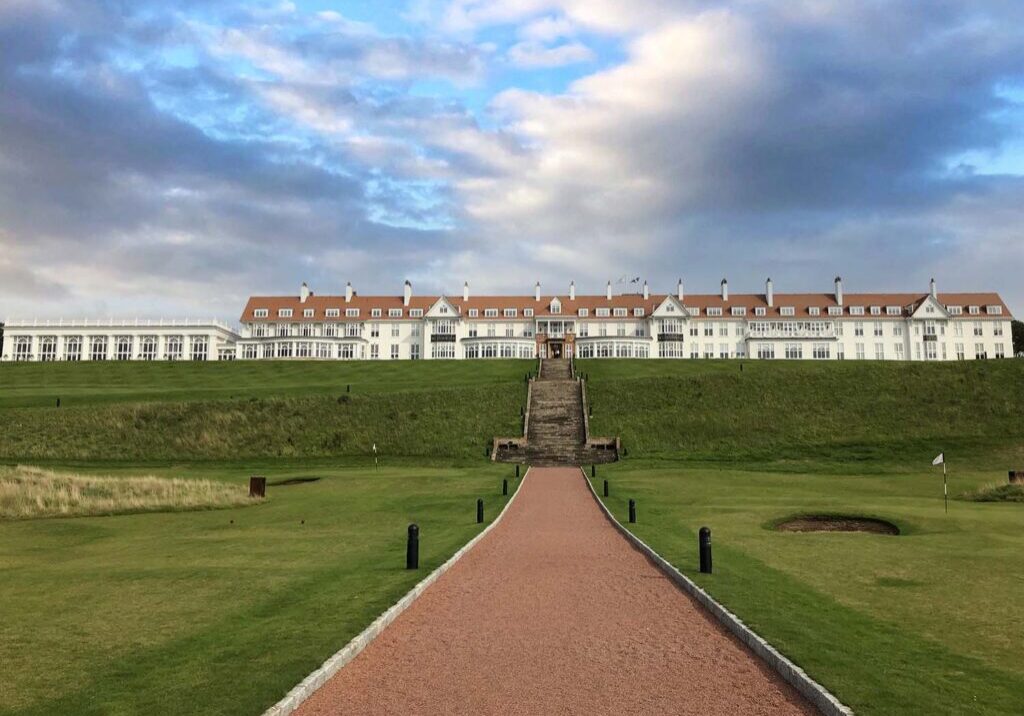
x: 534, y: 54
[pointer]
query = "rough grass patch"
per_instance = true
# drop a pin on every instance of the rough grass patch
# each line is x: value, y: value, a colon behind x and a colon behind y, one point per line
x: 29, y: 492
x: 996, y: 492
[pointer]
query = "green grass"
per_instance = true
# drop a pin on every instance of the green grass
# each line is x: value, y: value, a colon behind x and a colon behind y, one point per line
x: 924, y: 622
x: 1001, y: 492
x: 218, y: 612
x: 143, y: 412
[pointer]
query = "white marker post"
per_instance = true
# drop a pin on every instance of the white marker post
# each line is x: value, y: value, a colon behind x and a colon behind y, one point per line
x: 375, y: 456
x: 941, y: 460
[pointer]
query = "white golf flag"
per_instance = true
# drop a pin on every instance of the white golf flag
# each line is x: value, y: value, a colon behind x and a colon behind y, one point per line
x: 941, y: 459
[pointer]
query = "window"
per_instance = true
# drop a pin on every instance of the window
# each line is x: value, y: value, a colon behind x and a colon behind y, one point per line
x: 374, y: 330
x: 638, y: 312
x: 994, y: 310
x: 333, y: 312
x: 715, y: 311
x: 876, y: 310
x: 23, y: 348
x: 306, y: 330
x: 374, y: 351
x: 352, y: 312
x: 415, y: 313
x: 148, y: 348
x: 1000, y: 350
x: 528, y: 312
x: 977, y: 328
x: 474, y: 312
x: 284, y: 313
x: 709, y: 329
x: 787, y: 311
x: 374, y: 313
x: 285, y: 350
x: 860, y: 351
x: 794, y: 351
x: 856, y: 310
x: 709, y: 350
x: 556, y: 306
x: 955, y: 310
x: 48, y: 348
x: 348, y: 351
x: 200, y: 348
x: 760, y: 311
x: 175, y: 347
x: 510, y: 331
x: 249, y: 351
x: 878, y: 328
x: 490, y: 312
x: 395, y: 330
x: 261, y: 313
x: 892, y: 311
x: 303, y: 349
x: 442, y: 350
x: 307, y: 313
x: 98, y: 348
x: 858, y: 329
x: 509, y: 313
x: 601, y: 313
x: 739, y: 311
x: 822, y: 351
x: 814, y: 311
x: 897, y: 330
x: 723, y: 350
x: 898, y: 351
x: 73, y: 348
x: 414, y: 351
x: 394, y: 351
x: 879, y: 351
x: 619, y: 312
x: 959, y: 347
x: 394, y: 313
x: 766, y: 351
x: 835, y: 310
x: 583, y: 312
x: 723, y: 329
x: 973, y: 310
x: 997, y: 329
x: 979, y: 351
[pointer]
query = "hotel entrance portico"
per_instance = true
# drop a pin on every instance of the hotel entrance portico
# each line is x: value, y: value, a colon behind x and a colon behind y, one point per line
x: 556, y: 339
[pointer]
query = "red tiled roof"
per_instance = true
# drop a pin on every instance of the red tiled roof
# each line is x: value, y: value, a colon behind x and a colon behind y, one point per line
x: 800, y: 302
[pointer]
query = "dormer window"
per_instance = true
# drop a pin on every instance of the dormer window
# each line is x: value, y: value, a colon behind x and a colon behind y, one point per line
x: 307, y: 313
x: 638, y: 312
x: 994, y: 310
x: 583, y: 312
x: 973, y: 310
x: 528, y: 312
x: 333, y: 312
x: 760, y: 310
x: 284, y: 313
x: 490, y: 312
x: 955, y: 310
x: 374, y: 313
x: 556, y: 306
x: 510, y: 313
x: 394, y: 313
x: 352, y: 312
x: 856, y: 310
x: 715, y: 311
x: 787, y: 311
x: 876, y: 310
x: 474, y: 312
x: 602, y: 312
x: 619, y: 312
x: 814, y: 311
x: 415, y: 313
x: 261, y: 313
x: 835, y: 310
x: 893, y: 311
x: 739, y: 311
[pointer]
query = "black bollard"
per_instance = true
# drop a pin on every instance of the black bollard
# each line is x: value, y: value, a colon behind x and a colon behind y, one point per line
x: 704, y: 540
x: 606, y: 488
x: 58, y: 402
x: 593, y: 470
x: 517, y: 472
x: 632, y: 511
x: 504, y: 487
x: 479, y: 511
x: 348, y: 388
x: 412, y: 548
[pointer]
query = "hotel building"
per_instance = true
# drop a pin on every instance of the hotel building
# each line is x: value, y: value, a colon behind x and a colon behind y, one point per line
x: 929, y: 326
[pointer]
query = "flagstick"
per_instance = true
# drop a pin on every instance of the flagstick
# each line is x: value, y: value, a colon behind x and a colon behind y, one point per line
x: 945, y: 489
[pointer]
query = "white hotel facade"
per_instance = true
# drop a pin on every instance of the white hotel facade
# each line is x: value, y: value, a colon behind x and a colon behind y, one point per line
x: 928, y: 326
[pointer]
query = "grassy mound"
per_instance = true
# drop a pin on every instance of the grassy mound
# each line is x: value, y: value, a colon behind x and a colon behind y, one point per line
x: 1002, y: 492
x: 444, y: 411
x: 714, y: 411
x: 28, y: 492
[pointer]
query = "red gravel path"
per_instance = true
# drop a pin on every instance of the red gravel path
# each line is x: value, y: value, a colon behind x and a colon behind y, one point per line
x: 554, y: 613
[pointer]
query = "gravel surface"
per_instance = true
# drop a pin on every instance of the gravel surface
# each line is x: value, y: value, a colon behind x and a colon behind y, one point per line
x: 555, y: 613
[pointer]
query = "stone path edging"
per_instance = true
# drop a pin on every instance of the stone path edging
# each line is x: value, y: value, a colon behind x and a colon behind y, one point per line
x: 796, y: 677
x: 329, y: 668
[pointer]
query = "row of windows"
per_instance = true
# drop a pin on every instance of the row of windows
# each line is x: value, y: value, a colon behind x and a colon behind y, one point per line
x: 336, y: 313
x: 100, y: 348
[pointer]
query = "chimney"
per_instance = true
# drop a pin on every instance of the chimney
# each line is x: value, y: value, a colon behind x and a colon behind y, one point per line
x: 934, y: 290
x: 679, y: 290
x: 303, y: 292
x: 465, y: 291
x: 572, y: 290
x: 408, y: 293
x: 725, y: 290
x: 769, y: 292
x: 647, y: 291
x: 839, y: 290
x: 348, y: 292
x: 536, y: 292
x: 609, y: 292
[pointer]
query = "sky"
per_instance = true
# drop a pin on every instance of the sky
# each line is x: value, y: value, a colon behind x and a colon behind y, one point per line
x: 170, y: 158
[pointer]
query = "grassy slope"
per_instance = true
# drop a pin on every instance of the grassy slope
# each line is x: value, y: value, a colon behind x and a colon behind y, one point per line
x: 926, y: 622
x: 188, y: 613
x: 230, y: 411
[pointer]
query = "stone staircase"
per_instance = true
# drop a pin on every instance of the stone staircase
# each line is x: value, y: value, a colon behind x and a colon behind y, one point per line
x: 557, y: 430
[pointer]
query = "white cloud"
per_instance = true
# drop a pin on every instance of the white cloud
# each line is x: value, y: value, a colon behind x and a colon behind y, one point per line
x: 534, y: 54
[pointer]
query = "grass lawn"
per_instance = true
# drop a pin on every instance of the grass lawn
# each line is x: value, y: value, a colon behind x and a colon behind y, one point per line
x: 219, y: 612
x: 924, y: 622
